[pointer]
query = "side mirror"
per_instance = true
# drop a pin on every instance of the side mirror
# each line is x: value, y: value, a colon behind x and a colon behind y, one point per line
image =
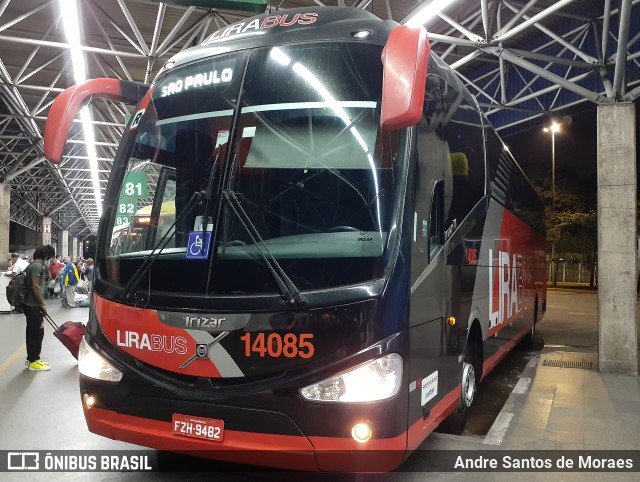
x: 404, y: 59
x: 68, y: 103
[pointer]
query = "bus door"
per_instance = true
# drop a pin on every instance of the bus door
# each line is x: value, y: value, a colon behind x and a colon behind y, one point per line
x: 431, y: 372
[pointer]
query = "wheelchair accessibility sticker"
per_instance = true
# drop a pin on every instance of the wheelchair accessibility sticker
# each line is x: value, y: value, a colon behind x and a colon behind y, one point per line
x: 198, y: 245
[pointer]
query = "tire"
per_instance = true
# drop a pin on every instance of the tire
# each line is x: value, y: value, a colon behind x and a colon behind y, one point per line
x: 529, y: 339
x: 470, y: 377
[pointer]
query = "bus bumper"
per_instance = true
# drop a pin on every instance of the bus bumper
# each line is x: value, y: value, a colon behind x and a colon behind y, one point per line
x: 291, y: 452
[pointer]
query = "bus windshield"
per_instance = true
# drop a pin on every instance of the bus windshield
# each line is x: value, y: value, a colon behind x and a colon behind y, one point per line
x: 293, y: 133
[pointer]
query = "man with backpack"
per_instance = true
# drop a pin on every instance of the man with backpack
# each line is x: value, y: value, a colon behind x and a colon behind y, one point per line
x: 70, y: 278
x: 16, y: 285
x: 35, y: 307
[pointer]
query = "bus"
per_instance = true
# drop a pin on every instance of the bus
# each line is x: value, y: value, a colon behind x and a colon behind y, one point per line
x: 352, y: 248
x: 129, y: 237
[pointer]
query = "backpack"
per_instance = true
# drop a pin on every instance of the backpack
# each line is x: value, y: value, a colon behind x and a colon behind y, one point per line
x: 70, y: 276
x: 16, y: 291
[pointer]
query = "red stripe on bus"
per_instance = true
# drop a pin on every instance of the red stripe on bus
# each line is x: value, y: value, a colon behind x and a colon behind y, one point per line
x: 349, y: 444
x: 491, y: 362
x: 340, y: 454
x: 421, y: 429
x: 498, y: 328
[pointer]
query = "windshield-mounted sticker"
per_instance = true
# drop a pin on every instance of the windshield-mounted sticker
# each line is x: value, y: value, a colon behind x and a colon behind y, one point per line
x: 136, y: 119
x: 249, y: 132
x: 223, y: 138
x: 198, y: 245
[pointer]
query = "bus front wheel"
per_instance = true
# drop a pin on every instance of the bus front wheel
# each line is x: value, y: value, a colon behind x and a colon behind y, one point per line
x: 470, y: 378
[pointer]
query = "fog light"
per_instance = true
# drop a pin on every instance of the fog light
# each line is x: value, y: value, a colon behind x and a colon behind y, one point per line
x: 88, y: 401
x: 361, y: 433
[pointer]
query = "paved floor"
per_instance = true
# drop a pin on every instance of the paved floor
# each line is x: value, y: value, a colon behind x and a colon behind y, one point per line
x: 576, y: 408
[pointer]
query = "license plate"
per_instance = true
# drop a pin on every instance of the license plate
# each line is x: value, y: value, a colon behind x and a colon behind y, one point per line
x: 198, y: 427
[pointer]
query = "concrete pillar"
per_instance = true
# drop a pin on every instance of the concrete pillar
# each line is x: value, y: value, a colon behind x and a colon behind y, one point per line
x: 63, y: 243
x: 5, y: 206
x: 618, y: 343
x: 74, y: 248
x: 43, y: 230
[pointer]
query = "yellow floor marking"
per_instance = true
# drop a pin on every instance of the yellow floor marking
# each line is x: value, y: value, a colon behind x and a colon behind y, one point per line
x: 22, y: 351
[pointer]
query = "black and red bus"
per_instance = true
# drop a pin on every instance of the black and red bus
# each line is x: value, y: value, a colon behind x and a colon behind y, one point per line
x: 350, y: 247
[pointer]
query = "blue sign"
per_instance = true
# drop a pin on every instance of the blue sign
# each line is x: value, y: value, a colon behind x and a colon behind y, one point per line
x: 198, y: 245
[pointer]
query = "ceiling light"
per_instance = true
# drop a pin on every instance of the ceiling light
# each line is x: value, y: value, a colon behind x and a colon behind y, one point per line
x: 361, y: 34
x: 427, y: 12
x: 70, y: 19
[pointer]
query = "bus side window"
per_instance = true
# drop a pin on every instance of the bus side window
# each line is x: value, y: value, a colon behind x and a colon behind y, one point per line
x: 463, y: 134
x: 508, y: 184
x: 436, y: 220
x: 499, y: 167
x: 432, y: 167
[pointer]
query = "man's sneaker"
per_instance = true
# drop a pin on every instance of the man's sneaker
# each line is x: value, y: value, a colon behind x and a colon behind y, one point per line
x: 39, y: 366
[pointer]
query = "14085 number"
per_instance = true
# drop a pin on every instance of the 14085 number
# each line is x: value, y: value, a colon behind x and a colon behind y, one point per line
x: 276, y: 345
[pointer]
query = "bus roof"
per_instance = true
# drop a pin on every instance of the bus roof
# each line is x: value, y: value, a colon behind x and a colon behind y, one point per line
x: 290, y: 26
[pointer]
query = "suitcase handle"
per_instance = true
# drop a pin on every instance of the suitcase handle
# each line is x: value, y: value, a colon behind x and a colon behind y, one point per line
x: 51, y: 322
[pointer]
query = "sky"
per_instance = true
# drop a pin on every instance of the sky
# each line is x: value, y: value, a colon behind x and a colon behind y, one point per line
x: 576, y: 146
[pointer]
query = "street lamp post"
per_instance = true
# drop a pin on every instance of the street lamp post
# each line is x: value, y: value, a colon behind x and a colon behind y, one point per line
x: 553, y: 128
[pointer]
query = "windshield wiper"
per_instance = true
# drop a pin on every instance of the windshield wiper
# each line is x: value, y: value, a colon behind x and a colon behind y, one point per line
x: 288, y: 289
x: 133, y: 282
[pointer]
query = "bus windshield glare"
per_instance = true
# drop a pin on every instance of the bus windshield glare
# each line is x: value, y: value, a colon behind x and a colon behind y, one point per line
x: 293, y: 133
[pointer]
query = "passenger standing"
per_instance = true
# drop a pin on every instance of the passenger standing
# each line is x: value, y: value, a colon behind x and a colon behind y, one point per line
x: 54, y: 268
x: 19, y: 265
x: 35, y: 307
x: 69, y: 280
x: 55, y: 271
x: 88, y: 274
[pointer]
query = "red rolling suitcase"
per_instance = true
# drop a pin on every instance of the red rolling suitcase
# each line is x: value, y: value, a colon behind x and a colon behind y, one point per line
x: 69, y: 333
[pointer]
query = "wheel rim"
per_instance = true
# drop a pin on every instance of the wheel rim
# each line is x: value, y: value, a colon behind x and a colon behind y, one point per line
x: 468, y: 384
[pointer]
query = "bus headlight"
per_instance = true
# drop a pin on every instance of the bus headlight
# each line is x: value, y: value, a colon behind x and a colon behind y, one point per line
x: 375, y: 380
x: 92, y: 365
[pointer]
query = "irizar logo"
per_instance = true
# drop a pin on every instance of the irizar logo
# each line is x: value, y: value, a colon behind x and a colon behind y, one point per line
x: 514, y: 285
x: 152, y: 342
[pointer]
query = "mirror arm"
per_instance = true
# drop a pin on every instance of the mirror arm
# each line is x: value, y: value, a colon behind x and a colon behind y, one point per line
x: 68, y: 104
